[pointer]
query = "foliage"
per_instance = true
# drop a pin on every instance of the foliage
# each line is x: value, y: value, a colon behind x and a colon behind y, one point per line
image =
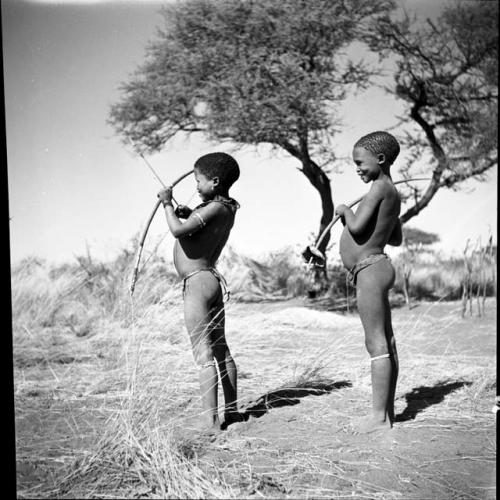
x: 413, y: 237
x: 250, y: 72
x: 446, y: 75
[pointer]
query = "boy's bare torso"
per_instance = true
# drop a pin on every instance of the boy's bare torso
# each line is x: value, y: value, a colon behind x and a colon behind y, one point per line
x: 202, y: 248
x: 354, y: 248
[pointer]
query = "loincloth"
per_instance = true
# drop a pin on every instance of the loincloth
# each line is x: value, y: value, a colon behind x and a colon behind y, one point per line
x: 362, y: 264
x: 218, y: 276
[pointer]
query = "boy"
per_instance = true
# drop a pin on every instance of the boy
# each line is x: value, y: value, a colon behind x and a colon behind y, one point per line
x: 366, y: 232
x: 199, y: 242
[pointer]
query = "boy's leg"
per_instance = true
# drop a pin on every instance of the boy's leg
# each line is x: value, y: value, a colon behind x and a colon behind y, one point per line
x: 200, y: 291
x: 227, y: 367
x: 372, y: 287
x: 391, y: 342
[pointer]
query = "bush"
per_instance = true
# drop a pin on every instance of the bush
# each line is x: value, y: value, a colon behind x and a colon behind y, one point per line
x: 77, y: 296
x: 443, y: 279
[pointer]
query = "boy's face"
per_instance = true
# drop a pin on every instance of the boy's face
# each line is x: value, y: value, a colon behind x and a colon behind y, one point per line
x: 368, y: 165
x: 205, y: 186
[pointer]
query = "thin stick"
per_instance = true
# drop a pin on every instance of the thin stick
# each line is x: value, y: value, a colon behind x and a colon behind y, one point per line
x: 355, y: 202
x: 152, y: 169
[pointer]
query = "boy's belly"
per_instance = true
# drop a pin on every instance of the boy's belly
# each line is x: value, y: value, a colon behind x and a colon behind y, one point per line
x: 352, y: 252
x: 185, y: 265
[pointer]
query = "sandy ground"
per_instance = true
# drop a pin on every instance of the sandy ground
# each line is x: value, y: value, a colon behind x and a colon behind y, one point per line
x: 303, y: 375
x: 443, y: 444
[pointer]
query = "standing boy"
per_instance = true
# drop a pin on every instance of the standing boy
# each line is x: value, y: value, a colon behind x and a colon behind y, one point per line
x: 199, y: 242
x: 375, y: 224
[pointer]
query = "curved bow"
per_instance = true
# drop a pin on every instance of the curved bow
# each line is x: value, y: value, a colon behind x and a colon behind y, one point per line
x: 135, y: 272
x: 322, y: 236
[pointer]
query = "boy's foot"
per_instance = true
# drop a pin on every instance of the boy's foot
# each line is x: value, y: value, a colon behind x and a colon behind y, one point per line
x: 207, y: 432
x: 369, y: 424
x: 196, y: 433
x: 211, y: 432
x: 204, y: 426
x: 232, y: 418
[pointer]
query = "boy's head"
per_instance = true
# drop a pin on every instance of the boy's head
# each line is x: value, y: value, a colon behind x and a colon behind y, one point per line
x: 380, y: 143
x: 221, y: 166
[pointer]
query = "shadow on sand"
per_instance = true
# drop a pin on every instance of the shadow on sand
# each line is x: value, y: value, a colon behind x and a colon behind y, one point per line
x: 422, y: 397
x: 289, y: 396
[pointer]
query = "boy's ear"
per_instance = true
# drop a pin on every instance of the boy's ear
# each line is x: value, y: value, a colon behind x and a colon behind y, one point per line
x: 215, y: 181
x: 381, y: 158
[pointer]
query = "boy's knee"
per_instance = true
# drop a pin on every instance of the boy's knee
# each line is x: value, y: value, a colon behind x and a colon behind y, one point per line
x: 376, y: 347
x: 204, y: 362
x: 204, y: 356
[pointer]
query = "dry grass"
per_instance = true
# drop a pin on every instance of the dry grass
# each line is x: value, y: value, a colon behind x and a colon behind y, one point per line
x: 140, y: 453
x: 132, y: 385
x: 106, y: 414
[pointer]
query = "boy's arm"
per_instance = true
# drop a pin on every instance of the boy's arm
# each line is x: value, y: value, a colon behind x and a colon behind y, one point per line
x: 196, y: 220
x: 396, y: 237
x: 357, y: 222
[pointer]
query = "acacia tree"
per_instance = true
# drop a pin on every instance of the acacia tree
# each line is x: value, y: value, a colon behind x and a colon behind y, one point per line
x: 251, y: 72
x: 447, y: 76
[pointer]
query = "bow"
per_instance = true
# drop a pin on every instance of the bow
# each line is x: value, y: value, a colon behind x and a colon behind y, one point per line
x: 146, y: 228
x: 313, y: 251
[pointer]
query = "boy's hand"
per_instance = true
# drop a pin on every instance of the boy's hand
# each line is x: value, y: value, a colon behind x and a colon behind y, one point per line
x: 165, y: 196
x: 340, y: 210
x: 313, y: 255
x: 182, y: 211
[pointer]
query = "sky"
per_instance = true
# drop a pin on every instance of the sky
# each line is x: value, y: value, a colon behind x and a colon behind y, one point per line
x: 74, y: 187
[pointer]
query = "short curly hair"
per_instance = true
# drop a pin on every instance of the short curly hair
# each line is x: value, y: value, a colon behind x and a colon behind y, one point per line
x: 220, y: 165
x: 380, y: 142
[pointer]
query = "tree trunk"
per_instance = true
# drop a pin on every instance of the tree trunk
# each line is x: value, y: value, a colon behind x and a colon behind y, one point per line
x: 321, y: 183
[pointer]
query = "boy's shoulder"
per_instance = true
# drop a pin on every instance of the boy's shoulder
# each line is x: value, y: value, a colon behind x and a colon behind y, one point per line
x: 219, y: 208
x: 383, y: 188
x: 220, y: 204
